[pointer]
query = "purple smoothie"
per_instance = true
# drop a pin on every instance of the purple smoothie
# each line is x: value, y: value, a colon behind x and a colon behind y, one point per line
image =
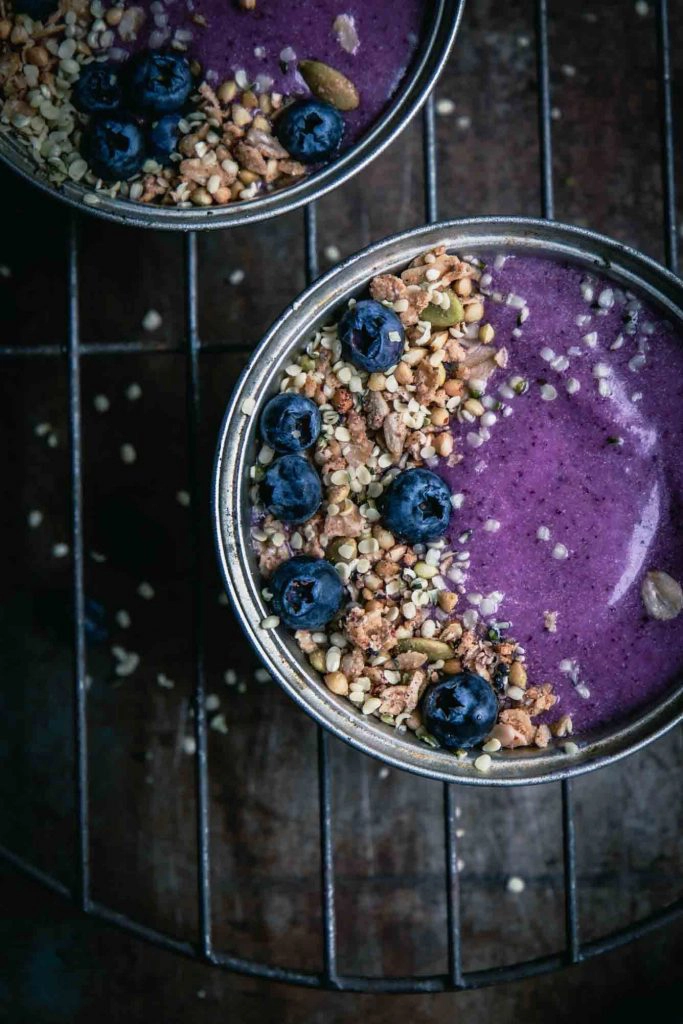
x: 601, y: 471
x: 253, y: 41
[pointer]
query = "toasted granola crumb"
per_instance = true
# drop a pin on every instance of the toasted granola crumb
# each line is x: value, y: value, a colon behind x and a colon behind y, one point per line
x: 523, y: 728
x: 369, y: 631
x: 539, y: 699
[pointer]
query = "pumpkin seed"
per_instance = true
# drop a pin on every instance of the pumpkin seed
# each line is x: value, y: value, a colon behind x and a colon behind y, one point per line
x: 342, y: 549
x: 329, y: 85
x: 436, y: 650
x: 437, y: 316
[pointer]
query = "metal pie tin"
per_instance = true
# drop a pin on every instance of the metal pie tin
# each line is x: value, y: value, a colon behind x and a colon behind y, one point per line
x: 236, y: 452
x: 441, y: 23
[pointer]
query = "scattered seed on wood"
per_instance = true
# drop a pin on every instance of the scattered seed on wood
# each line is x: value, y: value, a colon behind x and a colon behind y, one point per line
x: 152, y: 320
x: 515, y: 885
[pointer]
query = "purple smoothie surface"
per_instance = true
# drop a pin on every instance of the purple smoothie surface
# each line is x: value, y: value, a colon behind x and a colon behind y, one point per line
x: 253, y: 41
x: 601, y: 468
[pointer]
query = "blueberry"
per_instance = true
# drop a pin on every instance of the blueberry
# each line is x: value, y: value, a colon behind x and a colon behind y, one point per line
x: 114, y: 146
x: 460, y: 710
x: 307, y: 592
x: 291, y: 489
x: 163, y: 137
x: 417, y: 506
x: 37, y: 10
x: 290, y: 422
x: 97, y: 90
x: 158, y: 83
x: 310, y: 130
x: 372, y: 336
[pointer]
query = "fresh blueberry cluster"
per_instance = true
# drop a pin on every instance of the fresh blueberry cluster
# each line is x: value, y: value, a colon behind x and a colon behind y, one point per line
x: 416, y: 505
x: 134, y: 111
x: 291, y: 487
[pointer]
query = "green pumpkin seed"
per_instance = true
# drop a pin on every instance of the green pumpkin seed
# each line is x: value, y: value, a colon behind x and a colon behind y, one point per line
x: 436, y: 650
x: 437, y: 316
x: 329, y: 85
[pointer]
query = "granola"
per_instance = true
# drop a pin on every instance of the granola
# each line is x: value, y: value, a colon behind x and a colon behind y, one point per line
x: 402, y: 628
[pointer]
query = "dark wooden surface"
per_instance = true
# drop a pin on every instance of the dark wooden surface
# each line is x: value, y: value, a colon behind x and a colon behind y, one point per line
x: 388, y: 827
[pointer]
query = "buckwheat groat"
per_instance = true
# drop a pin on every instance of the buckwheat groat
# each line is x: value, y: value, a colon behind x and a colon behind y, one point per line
x: 491, y: 474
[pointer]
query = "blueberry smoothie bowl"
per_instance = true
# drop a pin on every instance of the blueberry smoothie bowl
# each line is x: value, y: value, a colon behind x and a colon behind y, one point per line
x: 448, y: 499
x: 184, y: 113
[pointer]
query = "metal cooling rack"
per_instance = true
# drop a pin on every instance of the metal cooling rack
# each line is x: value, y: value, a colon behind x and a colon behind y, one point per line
x: 329, y: 978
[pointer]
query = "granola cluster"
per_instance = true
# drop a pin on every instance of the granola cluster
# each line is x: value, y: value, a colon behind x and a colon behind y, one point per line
x: 400, y: 629
x: 227, y: 149
x: 227, y: 152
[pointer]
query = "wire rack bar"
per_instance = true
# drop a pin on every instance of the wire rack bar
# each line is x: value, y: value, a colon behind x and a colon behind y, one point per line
x: 453, y: 915
x: 427, y: 983
x: 311, y: 242
x: 355, y: 983
x: 544, y: 110
x: 105, y: 348
x: 667, y: 136
x: 79, y: 657
x: 198, y: 508
x: 571, y: 914
x: 327, y: 876
x: 35, y: 874
x: 453, y: 902
x: 571, y: 910
x: 431, y: 202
